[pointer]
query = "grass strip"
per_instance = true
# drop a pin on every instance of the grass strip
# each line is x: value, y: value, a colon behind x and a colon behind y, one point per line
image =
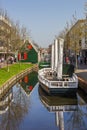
x: 13, y: 70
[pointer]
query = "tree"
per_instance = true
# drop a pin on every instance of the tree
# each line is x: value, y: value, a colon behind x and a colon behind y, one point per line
x: 12, y: 37
x: 74, y: 37
x: 85, y: 24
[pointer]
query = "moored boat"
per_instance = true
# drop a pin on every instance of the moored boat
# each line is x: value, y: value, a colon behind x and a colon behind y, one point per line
x: 53, y: 80
x: 52, y: 85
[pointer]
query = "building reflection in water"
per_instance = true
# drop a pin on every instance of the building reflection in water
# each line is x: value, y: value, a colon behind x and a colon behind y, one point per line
x: 58, y: 104
x: 14, y: 105
x: 28, y: 82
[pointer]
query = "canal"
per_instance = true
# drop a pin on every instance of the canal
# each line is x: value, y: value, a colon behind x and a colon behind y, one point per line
x: 27, y: 107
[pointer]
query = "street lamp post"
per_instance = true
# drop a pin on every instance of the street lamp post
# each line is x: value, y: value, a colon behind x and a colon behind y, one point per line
x: 7, y: 55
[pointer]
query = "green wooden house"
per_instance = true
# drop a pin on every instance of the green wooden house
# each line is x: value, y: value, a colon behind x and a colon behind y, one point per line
x: 29, y: 53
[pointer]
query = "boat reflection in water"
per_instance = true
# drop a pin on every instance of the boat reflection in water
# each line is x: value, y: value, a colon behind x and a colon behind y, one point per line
x: 28, y: 82
x: 58, y: 104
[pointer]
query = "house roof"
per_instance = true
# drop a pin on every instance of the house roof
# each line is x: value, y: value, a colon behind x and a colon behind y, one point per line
x: 34, y: 45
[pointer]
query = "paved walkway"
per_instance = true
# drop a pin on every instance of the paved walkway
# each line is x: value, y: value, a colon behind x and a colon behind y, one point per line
x: 4, y: 64
x: 82, y: 71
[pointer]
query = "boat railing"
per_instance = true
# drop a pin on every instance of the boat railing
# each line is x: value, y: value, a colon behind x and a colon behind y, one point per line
x: 69, y: 82
x: 58, y: 83
x: 52, y: 84
x: 45, y: 70
x: 63, y: 108
x: 63, y: 84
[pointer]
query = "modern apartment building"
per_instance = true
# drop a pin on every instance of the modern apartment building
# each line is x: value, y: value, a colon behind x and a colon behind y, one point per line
x: 76, y: 38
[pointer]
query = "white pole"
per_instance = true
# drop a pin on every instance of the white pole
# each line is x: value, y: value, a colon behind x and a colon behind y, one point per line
x: 55, y: 53
x: 52, y: 57
x: 57, y: 118
x: 60, y: 58
x: 39, y: 57
x: 61, y: 120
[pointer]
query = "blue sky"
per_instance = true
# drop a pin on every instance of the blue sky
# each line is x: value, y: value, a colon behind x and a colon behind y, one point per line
x: 43, y: 18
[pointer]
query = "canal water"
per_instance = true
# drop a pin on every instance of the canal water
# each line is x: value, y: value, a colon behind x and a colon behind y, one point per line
x: 27, y: 107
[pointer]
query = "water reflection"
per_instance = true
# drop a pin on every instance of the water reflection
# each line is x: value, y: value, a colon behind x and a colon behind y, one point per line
x: 19, y: 111
x: 28, y: 82
x: 14, y: 106
x: 5, y: 100
x: 59, y: 104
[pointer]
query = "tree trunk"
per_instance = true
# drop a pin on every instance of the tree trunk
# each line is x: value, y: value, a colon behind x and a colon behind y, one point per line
x: 76, y: 63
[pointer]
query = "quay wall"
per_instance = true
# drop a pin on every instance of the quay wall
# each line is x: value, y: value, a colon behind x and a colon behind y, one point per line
x: 13, y: 80
x: 82, y: 77
x: 82, y: 84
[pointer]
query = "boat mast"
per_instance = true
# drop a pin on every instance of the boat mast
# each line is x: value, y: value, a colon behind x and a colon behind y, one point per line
x: 52, y: 58
x: 55, y: 54
x: 60, y: 58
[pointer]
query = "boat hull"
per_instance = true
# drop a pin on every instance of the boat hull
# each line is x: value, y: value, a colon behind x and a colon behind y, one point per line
x: 53, y: 91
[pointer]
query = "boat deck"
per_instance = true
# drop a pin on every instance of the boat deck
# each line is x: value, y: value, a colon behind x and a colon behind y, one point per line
x: 47, y: 77
x: 51, y: 77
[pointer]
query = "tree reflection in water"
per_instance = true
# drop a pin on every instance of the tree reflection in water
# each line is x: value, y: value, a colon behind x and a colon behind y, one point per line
x: 76, y: 120
x: 17, y: 109
x: 18, y: 105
